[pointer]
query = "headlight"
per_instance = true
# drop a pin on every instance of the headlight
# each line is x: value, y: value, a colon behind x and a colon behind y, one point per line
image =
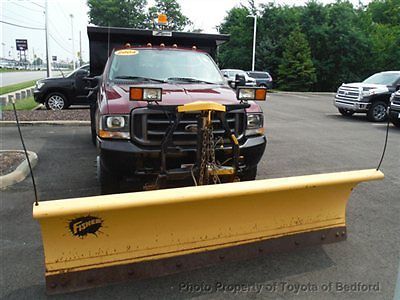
x: 246, y: 94
x: 255, y: 124
x: 368, y: 93
x: 114, y: 127
x: 145, y: 94
x: 39, y: 84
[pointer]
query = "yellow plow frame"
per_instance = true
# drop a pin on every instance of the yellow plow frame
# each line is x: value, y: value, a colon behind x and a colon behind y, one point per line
x: 97, y: 240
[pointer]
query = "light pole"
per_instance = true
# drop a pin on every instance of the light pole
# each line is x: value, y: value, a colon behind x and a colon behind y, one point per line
x: 72, y: 36
x: 254, y: 41
x: 46, y: 26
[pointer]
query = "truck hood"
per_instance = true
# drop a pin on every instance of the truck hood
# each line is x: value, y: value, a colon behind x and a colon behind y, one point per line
x: 378, y: 88
x: 173, y: 94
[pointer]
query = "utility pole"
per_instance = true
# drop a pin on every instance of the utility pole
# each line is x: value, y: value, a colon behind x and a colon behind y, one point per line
x: 254, y: 41
x: 80, y: 49
x: 48, y: 69
x: 72, y: 37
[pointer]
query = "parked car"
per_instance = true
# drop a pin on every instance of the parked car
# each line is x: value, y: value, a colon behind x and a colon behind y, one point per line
x: 395, y: 109
x: 230, y: 74
x: 60, y: 92
x: 263, y: 79
x: 370, y: 96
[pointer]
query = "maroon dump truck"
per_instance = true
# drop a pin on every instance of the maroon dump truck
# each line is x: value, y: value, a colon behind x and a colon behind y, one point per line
x: 174, y: 68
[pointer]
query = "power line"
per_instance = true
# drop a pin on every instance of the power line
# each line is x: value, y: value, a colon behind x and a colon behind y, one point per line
x: 54, y: 29
x: 28, y: 27
x: 62, y: 10
x: 14, y: 13
x: 68, y: 51
x: 21, y: 22
x: 30, y: 9
x: 36, y: 4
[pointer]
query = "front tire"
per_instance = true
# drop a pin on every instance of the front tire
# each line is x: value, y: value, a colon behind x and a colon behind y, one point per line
x: 56, y: 101
x: 109, y: 182
x: 93, y: 124
x: 248, y: 174
x: 377, y: 112
x: 346, y: 112
x: 396, y: 122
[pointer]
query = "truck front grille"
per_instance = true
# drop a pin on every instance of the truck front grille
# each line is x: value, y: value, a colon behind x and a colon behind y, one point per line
x: 149, y: 127
x: 347, y: 95
x: 396, y: 101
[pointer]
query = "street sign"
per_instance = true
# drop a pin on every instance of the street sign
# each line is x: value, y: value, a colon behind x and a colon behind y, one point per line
x: 21, y: 45
x: 54, y: 58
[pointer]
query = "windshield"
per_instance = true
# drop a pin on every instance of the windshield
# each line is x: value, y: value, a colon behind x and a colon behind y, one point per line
x: 383, y: 78
x: 164, y: 65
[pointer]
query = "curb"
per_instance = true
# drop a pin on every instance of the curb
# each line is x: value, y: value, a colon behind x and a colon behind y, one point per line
x: 17, y: 95
x: 20, y: 173
x: 58, y: 123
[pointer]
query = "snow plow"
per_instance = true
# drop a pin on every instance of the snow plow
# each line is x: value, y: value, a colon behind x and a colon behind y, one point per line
x: 93, y: 241
x: 143, y: 129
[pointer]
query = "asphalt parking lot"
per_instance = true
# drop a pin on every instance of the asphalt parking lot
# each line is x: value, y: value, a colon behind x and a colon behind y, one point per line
x: 306, y: 135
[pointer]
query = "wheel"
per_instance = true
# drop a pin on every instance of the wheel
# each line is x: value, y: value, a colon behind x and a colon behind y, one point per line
x: 56, y: 101
x: 109, y: 182
x: 377, y: 112
x: 248, y: 174
x: 346, y: 112
x: 93, y: 124
x: 396, y: 122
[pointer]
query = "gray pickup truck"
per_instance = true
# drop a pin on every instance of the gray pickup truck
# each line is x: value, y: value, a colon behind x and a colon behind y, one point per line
x: 372, y: 96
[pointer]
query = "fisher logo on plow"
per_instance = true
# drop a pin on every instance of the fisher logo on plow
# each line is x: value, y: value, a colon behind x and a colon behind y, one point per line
x: 82, y: 226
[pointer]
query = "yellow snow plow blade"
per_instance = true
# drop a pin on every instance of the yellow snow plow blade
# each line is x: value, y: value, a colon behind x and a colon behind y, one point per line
x: 97, y: 240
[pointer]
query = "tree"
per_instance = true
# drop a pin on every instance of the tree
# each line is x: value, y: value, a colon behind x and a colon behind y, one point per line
x: 296, y: 71
x: 37, y: 61
x: 275, y: 25
x: 118, y: 13
x: 237, y: 52
x: 171, y: 8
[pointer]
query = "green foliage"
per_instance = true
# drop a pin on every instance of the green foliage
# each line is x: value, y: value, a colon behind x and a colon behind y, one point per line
x: 296, y: 71
x: 237, y: 52
x: 132, y: 13
x: 23, y: 104
x: 347, y: 43
x: 16, y: 87
x: 117, y: 13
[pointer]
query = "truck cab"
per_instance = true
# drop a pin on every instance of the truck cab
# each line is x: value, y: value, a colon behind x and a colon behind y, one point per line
x: 128, y: 134
x: 372, y: 96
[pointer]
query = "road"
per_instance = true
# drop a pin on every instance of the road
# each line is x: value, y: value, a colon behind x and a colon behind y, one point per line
x: 8, y: 78
x: 306, y: 135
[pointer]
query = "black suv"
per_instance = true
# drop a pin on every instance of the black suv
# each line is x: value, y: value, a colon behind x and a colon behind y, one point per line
x: 60, y: 92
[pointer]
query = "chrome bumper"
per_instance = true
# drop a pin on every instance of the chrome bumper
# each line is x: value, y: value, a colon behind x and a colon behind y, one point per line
x: 351, y: 105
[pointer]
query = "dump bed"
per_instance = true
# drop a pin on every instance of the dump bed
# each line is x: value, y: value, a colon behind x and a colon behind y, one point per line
x: 102, y: 40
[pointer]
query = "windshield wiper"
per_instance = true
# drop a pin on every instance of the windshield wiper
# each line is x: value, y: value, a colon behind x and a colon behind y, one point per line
x: 188, y: 79
x: 128, y: 77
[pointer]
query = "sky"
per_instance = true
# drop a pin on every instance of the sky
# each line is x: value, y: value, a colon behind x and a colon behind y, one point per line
x: 205, y: 14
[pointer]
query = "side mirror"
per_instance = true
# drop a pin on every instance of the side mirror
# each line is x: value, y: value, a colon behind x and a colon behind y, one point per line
x: 398, y: 87
x: 81, y: 73
x: 240, y: 80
